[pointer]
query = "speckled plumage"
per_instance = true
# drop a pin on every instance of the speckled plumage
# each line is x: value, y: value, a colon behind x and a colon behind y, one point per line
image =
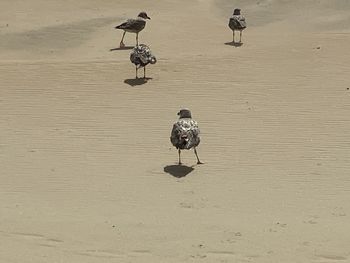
x: 185, y: 133
x: 141, y: 56
x: 237, y: 22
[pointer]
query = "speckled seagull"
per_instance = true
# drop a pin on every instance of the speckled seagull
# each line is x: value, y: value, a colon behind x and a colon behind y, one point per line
x: 237, y: 22
x: 141, y: 56
x: 185, y: 133
x: 133, y: 26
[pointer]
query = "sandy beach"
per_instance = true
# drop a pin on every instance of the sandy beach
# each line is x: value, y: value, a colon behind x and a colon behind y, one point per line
x: 88, y: 173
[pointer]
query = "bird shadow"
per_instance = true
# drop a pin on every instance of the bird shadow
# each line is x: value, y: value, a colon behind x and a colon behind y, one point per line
x: 234, y: 44
x: 178, y: 170
x: 137, y: 81
x: 121, y: 48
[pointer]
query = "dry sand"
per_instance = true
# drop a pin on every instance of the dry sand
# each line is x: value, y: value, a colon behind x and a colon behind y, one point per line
x: 84, y: 151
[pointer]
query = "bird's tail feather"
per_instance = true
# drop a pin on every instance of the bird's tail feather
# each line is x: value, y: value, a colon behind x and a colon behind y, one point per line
x: 184, y: 139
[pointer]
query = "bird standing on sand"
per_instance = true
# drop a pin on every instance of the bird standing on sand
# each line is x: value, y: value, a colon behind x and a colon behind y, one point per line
x: 185, y: 133
x: 133, y: 26
x: 237, y: 22
x: 141, y: 56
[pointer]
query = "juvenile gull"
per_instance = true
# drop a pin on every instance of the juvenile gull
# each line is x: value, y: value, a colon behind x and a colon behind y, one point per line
x: 237, y: 22
x: 133, y: 26
x: 185, y: 133
x: 141, y: 56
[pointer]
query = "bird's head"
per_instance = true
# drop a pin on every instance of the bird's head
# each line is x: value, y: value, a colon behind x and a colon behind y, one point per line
x: 237, y: 12
x: 144, y: 15
x: 153, y: 60
x: 184, y: 113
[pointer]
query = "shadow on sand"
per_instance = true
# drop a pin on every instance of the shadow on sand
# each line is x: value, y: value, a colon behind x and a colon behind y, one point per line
x: 136, y: 81
x: 178, y: 171
x: 234, y: 44
x: 121, y: 48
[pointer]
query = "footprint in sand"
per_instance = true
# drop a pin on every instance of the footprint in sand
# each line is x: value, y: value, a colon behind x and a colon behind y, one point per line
x: 338, y: 212
x: 233, y: 237
x: 186, y: 205
x: 198, y: 256
x: 277, y: 226
x: 312, y: 220
x: 194, y: 205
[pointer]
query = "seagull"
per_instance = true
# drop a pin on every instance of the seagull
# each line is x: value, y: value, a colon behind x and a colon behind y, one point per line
x: 237, y: 22
x: 141, y: 56
x: 133, y: 26
x: 185, y: 133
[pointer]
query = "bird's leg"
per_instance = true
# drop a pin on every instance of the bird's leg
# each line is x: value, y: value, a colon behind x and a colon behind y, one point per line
x: 136, y: 71
x: 240, y: 37
x: 137, y: 39
x: 144, y: 72
x: 179, y: 157
x: 198, y: 161
x: 121, y: 42
x: 233, y: 36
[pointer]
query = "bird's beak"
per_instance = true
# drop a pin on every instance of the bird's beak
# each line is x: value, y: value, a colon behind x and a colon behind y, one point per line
x: 178, y: 113
x: 148, y: 17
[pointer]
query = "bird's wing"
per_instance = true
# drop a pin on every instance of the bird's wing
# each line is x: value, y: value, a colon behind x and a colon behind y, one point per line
x: 241, y: 18
x: 193, y: 131
x: 192, y: 134
x: 122, y: 26
x: 126, y: 24
x: 134, y: 58
x: 134, y: 24
x: 175, y: 134
x: 237, y: 22
x: 194, y: 128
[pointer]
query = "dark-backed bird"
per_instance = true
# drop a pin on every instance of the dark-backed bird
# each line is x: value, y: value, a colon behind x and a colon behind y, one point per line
x: 185, y: 133
x: 141, y: 56
x: 133, y: 26
x: 237, y: 23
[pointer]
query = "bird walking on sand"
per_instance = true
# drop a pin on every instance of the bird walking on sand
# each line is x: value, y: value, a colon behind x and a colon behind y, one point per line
x: 185, y: 133
x: 133, y: 26
x: 141, y: 56
x: 237, y: 23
